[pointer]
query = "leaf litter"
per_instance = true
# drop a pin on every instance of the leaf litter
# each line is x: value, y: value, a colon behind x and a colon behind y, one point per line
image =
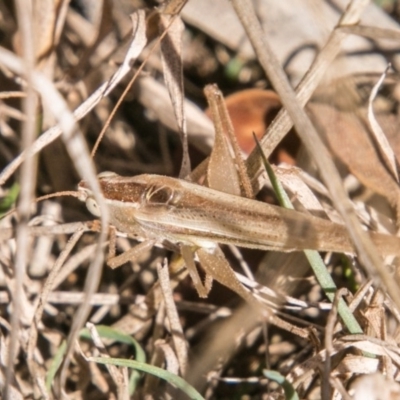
x: 223, y: 348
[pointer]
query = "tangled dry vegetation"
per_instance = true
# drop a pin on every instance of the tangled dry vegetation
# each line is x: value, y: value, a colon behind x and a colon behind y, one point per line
x: 82, y: 75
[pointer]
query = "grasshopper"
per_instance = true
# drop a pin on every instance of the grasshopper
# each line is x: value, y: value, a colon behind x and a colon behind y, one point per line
x: 162, y: 208
x: 195, y: 219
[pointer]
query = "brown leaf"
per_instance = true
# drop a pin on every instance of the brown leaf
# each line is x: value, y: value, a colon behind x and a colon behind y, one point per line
x: 251, y: 111
x: 349, y: 140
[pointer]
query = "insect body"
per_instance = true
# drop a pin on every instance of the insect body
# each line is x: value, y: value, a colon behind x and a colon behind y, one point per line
x: 168, y: 209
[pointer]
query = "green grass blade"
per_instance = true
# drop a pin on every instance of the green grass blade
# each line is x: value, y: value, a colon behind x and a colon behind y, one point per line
x: 290, y: 393
x: 171, y: 378
x: 55, y: 364
x: 109, y: 333
x: 9, y: 200
x: 317, y: 264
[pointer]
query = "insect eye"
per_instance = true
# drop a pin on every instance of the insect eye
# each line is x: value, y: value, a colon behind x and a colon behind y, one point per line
x: 161, y: 195
x: 92, y: 206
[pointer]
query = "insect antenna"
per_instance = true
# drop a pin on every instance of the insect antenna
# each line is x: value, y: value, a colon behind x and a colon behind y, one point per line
x: 45, y: 197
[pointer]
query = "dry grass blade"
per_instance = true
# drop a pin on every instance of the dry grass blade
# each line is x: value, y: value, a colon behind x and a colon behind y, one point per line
x: 154, y: 96
x: 349, y: 140
x: 326, y: 390
x: 54, y: 102
x: 176, y: 318
x: 180, y: 344
x: 174, y: 7
x: 371, y: 32
x: 282, y: 123
x: 169, y: 355
x: 171, y: 56
x: 10, y: 61
x: 48, y: 287
x: 44, y: 21
x: 316, y: 148
x: 79, y: 154
x: 28, y: 178
x: 378, y: 133
x: 6, y: 234
x: 139, y: 41
x: 290, y: 177
x: 119, y: 376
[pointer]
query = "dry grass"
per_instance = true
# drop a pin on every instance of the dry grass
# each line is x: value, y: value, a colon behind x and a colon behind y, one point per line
x: 53, y: 278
